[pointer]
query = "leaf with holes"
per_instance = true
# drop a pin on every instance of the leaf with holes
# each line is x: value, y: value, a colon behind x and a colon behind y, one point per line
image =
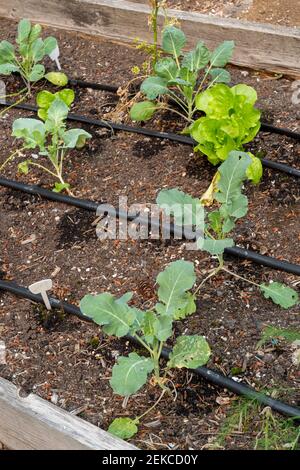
x: 190, y: 352
x: 124, y: 428
x: 281, y: 295
x: 130, y: 374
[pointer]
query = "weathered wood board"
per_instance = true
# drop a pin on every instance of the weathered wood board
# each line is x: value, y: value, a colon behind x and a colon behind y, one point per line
x: 267, y: 47
x: 32, y: 423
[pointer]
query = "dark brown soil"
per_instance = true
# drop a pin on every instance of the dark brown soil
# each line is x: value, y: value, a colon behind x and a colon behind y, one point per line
x: 260, y: 11
x: 59, y: 358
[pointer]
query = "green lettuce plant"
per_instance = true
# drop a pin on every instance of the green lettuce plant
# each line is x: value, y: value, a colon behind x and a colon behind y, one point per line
x: 151, y: 329
x: 219, y: 223
x: 51, y: 138
x: 230, y: 121
x: 26, y: 57
x: 176, y: 76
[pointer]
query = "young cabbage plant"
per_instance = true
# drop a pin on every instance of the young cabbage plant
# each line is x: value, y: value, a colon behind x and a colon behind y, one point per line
x: 176, y: 76
x: 151, y: 329
x: 230, y: 121
x: 232, y: 205
x: 51, y: 138
x: 26, y: 57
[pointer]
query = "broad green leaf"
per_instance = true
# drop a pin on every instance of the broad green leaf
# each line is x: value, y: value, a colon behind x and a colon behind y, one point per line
x: 24, y: 29
x: 37, y: 73
x: 164, y: 328
x: 166, y: 68
x: 247, y: 91
x: 57, y: 78
x: 124, y: 428
x: 57, y: 114
x: 42, y: 114
x: 196, y: 59
x: 32, y: 131
x: 174, y: 282
x: 237, y: 207
x: 37, y: 50
x: 50, y: 44
x: 75, y: 138
x: 7, y: 52
x: 281, y: 295
x: 187, y: 76
x: 189, y: 308
x: 59, y: 187
x: 222, y: 54
x: 214, y: 247
x: 272, y: 332
x: 216, y: 101
x: 153, y: 87
x: 149, y: 326
x: 44, y: 99
x: 220, y: 75
x: 155, y: 326
x: 34, y: 33
x: 143, y: 111
x: 190, y: 352
x: 23, y: 167
x: 115, y: 317
x: 254, y: 171
x: 215, y: 221
x: 185, y: 209
x: 125, y: 298
x: 233, y: 173
x: 130, y: 374
x: 173, y: 40
x: 66, y: 95
x: 8, y: 68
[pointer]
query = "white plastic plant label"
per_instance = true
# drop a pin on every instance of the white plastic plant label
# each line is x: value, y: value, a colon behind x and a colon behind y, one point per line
x: 41, y: 287
x: 2, y: 353
x: 54, y: 55
x: 2, y: 91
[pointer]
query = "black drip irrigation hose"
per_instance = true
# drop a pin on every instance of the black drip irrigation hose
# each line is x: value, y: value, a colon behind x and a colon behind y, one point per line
x: 282, y: 167
x: 235, y: 251
x: 210, y: 375
x: 92, y: 85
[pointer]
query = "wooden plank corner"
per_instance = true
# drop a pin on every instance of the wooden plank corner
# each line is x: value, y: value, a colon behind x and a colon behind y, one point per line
x: 32, y: 423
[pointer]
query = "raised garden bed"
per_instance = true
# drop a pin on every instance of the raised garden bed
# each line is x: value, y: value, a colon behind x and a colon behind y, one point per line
x: 68, y: 361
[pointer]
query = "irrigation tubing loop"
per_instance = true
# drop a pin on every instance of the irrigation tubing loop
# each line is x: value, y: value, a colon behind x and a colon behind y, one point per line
x: 282, y: 167
x: 88, y: 205
x: 210, y: 375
